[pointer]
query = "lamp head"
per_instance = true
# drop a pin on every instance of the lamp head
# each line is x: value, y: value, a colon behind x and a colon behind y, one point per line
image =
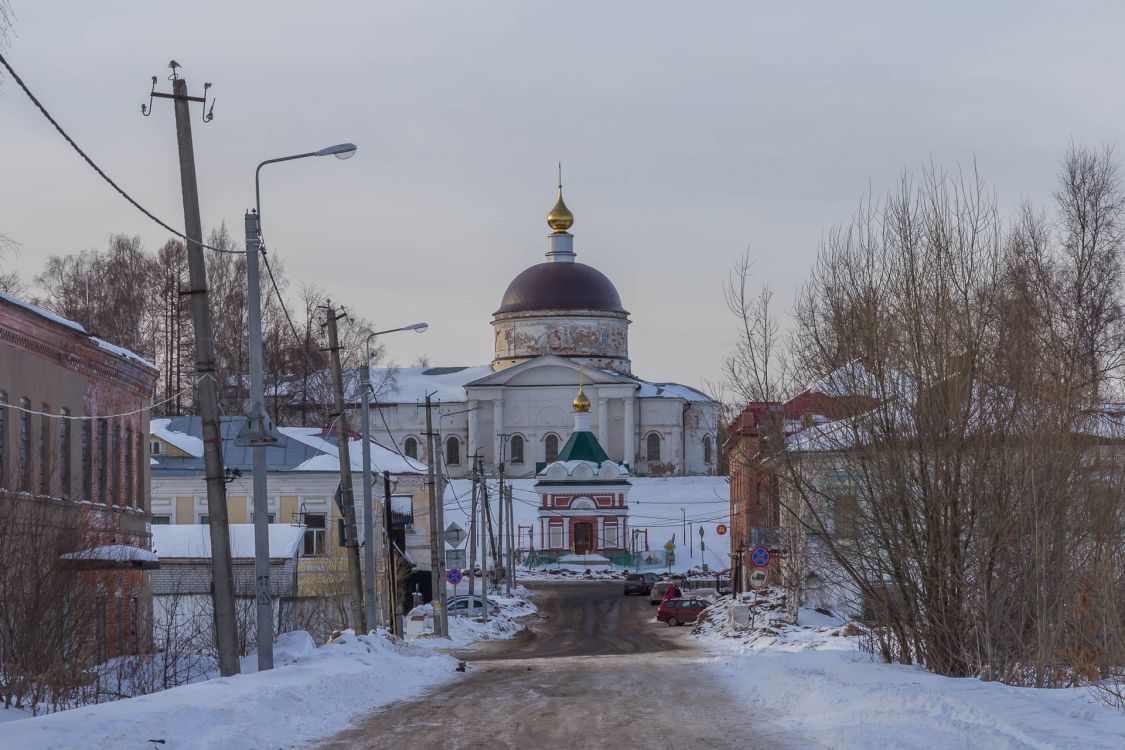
x: 340, y: 151
x: 418, y: 327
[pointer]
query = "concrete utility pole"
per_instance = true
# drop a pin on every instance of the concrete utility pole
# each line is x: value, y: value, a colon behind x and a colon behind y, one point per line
x: 473, y: 529
x: 511, y: 543
x: 259, y: 434
x: 500, y: 495
x: 437, y: 583
x: 222, y: 583
x: 439, y: 492
x: 347, y: 497
x: 372, y: 604
x: 392, y: 582
x: 483, y: 540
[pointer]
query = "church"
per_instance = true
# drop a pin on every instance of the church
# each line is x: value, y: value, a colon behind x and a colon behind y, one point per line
x: 559, y: 322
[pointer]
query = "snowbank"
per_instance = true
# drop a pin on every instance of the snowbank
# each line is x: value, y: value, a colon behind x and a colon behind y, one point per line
x: 465, y: 630
x: 816, y: 682
x: 313, y: 692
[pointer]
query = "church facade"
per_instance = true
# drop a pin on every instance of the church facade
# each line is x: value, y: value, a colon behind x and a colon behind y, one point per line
x: 560, y: 323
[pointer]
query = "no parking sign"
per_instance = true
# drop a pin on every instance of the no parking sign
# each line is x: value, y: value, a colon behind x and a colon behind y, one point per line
x: 760, y: 556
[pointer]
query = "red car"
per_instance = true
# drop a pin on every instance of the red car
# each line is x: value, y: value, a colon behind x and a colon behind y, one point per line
x: 679, y: 611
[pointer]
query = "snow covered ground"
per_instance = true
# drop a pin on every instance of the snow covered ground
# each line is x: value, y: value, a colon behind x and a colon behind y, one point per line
x: 662, y: 505
x: 311, y: 693
x: 816, y: 683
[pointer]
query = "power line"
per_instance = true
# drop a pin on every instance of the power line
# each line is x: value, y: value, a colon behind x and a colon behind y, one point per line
x: 173, y: 397
x: 96, y: 168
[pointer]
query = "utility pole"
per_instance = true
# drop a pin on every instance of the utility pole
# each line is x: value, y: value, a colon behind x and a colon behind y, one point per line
x: 473, y: 529
x: 483, y: 539
x: 511, y: 543
x: 500, y: 495
x: 392, y: 580
x: 439, y: 492
x: 373, y: 610
x: 436, y: 581
x: 222, y: 584
x: 347, y: 497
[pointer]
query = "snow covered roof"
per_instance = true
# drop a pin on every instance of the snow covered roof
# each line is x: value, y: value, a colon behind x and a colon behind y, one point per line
x: 410, y: 385
x: 194, y: 540
x: 189, y: 444
x: 303, y: 449
x: 113, y: 553
x: 78, y: 328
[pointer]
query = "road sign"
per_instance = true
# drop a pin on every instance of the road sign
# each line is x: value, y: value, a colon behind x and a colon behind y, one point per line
x: 721, y: 529
x: 760, y: 556
x: 669, y: 547
x: 454, y: 576
x: 700, y: 530
x: 758, y: 578
x: 455, y: 536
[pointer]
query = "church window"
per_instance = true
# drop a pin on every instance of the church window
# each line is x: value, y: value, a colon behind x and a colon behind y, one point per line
x: 652, y: 447
x: 410, y: 447
x: 556, y: 540
x: 452, y: 451
x: 517, y: 449
x: 603, y: 338
x: 707, y: 449
x: 611, y: 535
x: 551, y: 447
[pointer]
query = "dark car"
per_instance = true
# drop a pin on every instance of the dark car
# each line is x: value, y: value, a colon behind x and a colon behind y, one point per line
x: 639, y: 583
x: 679, y: 611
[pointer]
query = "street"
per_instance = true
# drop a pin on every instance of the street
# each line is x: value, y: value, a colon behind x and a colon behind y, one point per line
x: 593, y: 671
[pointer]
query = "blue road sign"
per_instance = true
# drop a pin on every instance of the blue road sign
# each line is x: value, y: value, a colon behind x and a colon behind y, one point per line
x: 454, y: 576
x: 760, y: 556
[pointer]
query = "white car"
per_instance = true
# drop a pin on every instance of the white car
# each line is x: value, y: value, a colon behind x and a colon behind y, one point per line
x: 465, y: 606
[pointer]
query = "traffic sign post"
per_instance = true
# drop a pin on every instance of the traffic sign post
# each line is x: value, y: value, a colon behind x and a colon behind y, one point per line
x: 760, y: 557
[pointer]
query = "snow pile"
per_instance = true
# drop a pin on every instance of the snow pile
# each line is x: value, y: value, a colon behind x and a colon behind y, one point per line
x: 466, y: 630
x: 312, y: 692
x: 813, y: 679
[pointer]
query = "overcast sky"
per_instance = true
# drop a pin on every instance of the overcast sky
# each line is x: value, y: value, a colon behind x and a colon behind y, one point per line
x: 688, y: 132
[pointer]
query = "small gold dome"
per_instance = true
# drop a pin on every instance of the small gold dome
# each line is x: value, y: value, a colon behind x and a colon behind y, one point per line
x: 581, y: 403
x: 560, y: 219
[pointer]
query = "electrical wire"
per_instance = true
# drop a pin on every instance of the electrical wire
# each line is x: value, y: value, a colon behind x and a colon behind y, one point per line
x: 173, y: 397
x: 101, y: 173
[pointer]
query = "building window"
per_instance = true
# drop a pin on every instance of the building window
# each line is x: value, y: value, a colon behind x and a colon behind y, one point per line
x: 100, y: 627
x: 652, y: 448
x: 271, y: 518
x: 556, y: 539
x: 103, y: 460
x: 87, y: 463
x: 129, y: 484
x: 517, y: 449
x: 154, y: 447
x: 707, y: 449
x: 204, y: 519
x: 64, y: 452
x: 551, y: 447
x: 161, y: 520
x: 115, y: 471
x: 452, y: 452
x: 410, y: 447
x: 44, y: 451
x: 140, y: 472
x: 3, y: 438
x: 610, y: 533
x: 315, y: 534
x: 25, y: 445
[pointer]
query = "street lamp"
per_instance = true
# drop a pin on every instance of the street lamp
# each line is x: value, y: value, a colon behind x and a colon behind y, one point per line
x: 372, y: 609
x: 259, y: 432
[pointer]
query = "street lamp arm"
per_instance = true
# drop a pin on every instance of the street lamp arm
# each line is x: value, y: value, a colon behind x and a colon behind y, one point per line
x: 416, y: 327
x: 257, y: 181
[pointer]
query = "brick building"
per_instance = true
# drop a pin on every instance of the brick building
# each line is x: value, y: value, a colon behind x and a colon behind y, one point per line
x: 74, y: 478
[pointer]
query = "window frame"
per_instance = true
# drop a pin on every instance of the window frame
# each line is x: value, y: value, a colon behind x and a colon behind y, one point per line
x: 410, y: 447
x: 318, y: 535
x: 24, y: 445
x: 649, y: 447
x: 549, y: 447
x: 65, y: 453
x: 517, y: 440
x: 454, y: 441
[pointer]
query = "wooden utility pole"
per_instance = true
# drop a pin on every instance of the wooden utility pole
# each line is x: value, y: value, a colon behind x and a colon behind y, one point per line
x: 347, y: 498
x: 222, y: 583
x: 437, y: 583
x: 511, y: 542
x: 392, y: 580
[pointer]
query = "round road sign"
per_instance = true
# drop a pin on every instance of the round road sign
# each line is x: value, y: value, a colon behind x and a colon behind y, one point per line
x: 669, y: 547
x: 454, y: 576
x: 760, y: 556
x: 758, y: 578
x: 721, y: 529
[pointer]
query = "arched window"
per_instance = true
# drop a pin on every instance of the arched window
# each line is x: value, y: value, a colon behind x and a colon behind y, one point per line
x: 3, y: 435
x: 452, y: 451
x: 410, y: 447
x: 707, y: 449
x: 517, y: 449
x: 551, y: 447
x: 25, y: 445
x: 652, y: 447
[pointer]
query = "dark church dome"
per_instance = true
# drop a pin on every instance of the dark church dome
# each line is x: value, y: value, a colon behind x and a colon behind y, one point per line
x: 561, y: 286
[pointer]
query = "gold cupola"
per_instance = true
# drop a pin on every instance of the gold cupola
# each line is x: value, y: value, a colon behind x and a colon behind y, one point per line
x: 560, y: 219
x: 581, y: 403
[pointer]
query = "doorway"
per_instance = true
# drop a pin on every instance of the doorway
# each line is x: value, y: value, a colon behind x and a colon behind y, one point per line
x: 583, y: 537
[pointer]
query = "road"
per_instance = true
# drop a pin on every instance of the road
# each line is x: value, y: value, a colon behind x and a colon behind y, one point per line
x: 593, y: 671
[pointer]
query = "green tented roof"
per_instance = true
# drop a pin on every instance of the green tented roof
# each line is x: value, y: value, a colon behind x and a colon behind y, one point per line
x: 583, y: 446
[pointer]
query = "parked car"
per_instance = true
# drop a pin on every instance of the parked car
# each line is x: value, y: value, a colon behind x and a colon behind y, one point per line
x: 680, y: 611
x: 465, y: 606
x: 639, y: 583
x: 659, y: 591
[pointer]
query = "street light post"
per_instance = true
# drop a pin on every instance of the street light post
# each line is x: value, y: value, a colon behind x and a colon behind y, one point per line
x: 259, y: 432
x: 373, y: 607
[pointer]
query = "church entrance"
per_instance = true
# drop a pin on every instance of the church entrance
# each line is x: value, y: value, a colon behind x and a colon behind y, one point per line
x: 583, y: 537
